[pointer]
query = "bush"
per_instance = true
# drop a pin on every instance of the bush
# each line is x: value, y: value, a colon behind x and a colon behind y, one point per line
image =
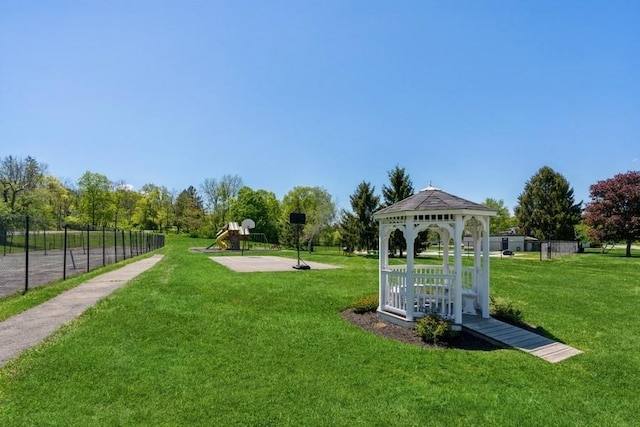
x: 365, y: 304
x: 506, y: 311
x: 434, y: 329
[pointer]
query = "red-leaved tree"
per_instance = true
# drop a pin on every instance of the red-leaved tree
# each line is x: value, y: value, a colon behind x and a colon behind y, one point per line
x: 614, y: 211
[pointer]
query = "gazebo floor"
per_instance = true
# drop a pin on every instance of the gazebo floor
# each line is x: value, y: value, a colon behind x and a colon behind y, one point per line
x: 506, y: 335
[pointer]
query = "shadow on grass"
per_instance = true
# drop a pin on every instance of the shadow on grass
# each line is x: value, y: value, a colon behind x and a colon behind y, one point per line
x: 611, y: 253
x: 542, y: 331
x: 539, y: 330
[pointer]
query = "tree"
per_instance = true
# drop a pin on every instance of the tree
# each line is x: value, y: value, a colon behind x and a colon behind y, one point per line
x: 331, y: 236
x: 349, y: 231
x: 151, y: 210
x: 546, y: 208
x: 503, y: 222
x: 317, y: 205
x: 364, y: 203
x: 58, y: 201
x: 125, y: 202
x: 96, y: 206
x: 166, y: 214
x: 399, y: 189
x: 219, y: 196
x: 261, y: 206
x: 189, y: 211
x: 614, y: 210
x: 583, y: 233
x: 18, y: 178
x: 74, y: 210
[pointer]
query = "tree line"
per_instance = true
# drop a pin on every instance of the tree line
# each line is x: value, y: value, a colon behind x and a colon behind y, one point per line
x: 546, y: 208
x: 28, y: 189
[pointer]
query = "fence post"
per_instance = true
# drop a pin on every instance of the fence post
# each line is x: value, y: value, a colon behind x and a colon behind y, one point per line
x: 64, y: 256
x: 26, y: 256
x: 88, y: 244
x: 104, y: 247
x: 124, y: 247
x: 115, y: 245
x: 540, y: 251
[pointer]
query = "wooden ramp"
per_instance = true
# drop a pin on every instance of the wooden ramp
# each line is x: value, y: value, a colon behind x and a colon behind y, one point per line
x: 507, y: 335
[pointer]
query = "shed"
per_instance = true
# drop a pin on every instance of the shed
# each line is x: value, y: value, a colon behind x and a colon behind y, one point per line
x: 513, y: 242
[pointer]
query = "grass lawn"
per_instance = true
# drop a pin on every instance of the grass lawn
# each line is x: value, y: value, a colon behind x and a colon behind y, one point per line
x: 192, y: 343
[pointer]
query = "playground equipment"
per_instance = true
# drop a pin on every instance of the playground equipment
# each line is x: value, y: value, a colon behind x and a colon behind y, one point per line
x: 230, y: 235
x: 221, y: 236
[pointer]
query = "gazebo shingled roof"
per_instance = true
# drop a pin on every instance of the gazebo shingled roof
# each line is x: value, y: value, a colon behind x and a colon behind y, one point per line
x: 432, y: 199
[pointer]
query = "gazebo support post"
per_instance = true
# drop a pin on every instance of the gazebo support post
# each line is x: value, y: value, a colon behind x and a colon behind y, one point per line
x: 477, y: 261
x: 410, y: 291
x: 457, y: 261
x: 383, y: 261
x: 445, y: 237
x: 485, y: 269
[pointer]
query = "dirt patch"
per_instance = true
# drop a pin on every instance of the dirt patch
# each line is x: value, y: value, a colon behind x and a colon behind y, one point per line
x: 370, y: 322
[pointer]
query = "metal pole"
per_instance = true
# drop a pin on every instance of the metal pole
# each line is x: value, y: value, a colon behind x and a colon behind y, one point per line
x: 104, y: 247
x: 298, y: 240
x: 26, y: 257
x: 64, y: 257
x: 124, y: 247
x: 88, y: 244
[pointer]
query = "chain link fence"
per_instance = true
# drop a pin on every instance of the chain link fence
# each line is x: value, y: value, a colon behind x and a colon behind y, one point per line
x: 557, y: 248
x: 32, y: 256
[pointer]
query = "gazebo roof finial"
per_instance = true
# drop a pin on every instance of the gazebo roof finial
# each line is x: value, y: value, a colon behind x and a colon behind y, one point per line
x: 430, y: 187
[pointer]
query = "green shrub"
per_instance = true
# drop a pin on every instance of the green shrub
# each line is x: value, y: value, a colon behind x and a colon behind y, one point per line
x: 434, y: 329
x: 506, y: 311
x: 365, y: 304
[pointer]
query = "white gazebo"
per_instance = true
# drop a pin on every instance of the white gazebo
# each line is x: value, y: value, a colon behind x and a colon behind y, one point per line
x: 410, y: 291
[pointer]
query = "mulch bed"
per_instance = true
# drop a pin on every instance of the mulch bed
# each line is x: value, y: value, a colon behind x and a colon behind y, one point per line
x: 370, y: 322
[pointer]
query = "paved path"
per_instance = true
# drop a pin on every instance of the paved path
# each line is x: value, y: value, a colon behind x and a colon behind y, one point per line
x: 508, y: 335
x: 30, y: 327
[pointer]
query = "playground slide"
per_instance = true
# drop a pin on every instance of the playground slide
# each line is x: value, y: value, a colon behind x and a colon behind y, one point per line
x: 220, y: 240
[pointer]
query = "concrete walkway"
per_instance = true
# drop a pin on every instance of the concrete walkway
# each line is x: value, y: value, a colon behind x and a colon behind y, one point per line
x: 30, y: 327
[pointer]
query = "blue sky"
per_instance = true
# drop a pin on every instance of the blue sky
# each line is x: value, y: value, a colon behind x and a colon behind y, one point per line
x: 474, y: 96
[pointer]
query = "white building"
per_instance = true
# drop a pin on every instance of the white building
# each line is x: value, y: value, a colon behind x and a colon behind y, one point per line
x: 514, y: 243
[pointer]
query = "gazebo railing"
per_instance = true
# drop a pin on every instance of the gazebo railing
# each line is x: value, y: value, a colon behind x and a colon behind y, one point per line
x: 433, y: 293
x: 394, y: 291
x: 433, y: 289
